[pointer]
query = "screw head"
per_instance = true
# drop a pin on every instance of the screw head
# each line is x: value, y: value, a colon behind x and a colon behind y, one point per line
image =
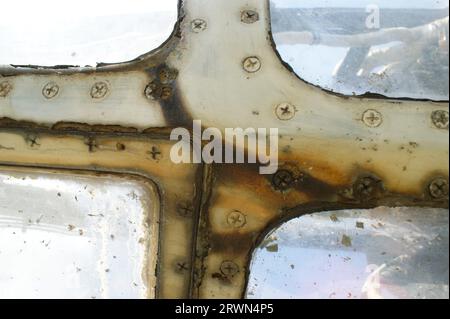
x: 185, y: 209
x: 283, y: 180
x: 199, y: 25
x: 5, y: 88
x: 249, y: 16
x: 32, y: 140
x: 99, y: 90
x: 229, y: 268
x: 50, y: 90
x: 439, y: 188
x: 182, y: 266
x: 367, y: 187
x: 236, y: 219
x: 372, y: 118
x: 285, y: 111
x: 149, y: 91
x: 440, y: 119
x: 252, y: 64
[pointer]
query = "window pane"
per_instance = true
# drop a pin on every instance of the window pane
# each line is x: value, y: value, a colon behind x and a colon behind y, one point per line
x: 74, y: 236
x: 381, y: 253
x: 82, y: 32
x: 396, y: 48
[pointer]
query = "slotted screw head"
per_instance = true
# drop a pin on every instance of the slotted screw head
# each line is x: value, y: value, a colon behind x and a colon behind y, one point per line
x: 440, y: 119
x: 5, y: 88
x: 285, y: 111
x: 252, y: 64
x: 229, y: 268
x: 236, y: 219
x: 372, y: 118
x: 249, y: 16
x: 50, y: 90
x: 439, y: 188
x: 199, y: 25
x: 99, y: 90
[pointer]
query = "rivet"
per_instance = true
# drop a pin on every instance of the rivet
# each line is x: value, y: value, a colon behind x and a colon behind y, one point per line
x: 199, y: 25
x: 252, y: 64
x: 249, y: 16
x: 372, y: 118
x: 50, y: 90
x: 236, y: 219
x: 99, y: 90
x: 440, y: 119
x: 229, y: 268
x: 283, y: 180
x: 439, y: 188
x: 285, y: 111
x: 5, y: 88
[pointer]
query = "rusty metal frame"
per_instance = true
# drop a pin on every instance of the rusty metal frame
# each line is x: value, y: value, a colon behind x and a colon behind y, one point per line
x: 337, y: 152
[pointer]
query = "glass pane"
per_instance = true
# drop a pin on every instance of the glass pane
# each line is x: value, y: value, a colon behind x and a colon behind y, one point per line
x: 397, y: 48
x: 82, y: 32
x: 382, y: 253
x: 73, y: 236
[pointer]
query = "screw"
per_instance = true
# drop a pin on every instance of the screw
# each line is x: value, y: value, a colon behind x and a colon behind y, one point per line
x: 150, y: 90
x: 154, y: 91
x: 182, y: 266
x: 372, y: 118
x: 91, y: 143
x: 5, y: 88
x: 155, y: 153
x: 99, y: 90
x: 283, y: 180
x: 229, y: 268
x: 185, y: 209
x: 236, y: 219
x: 285, y: 111
x: 440, y: 119
x: 32, y: 140
x: 50, y: 90
x: 167, y: 75
x: 166, y: 92
x: 366, y: 187
x: 249, y: 16
x: 439, y: 188
x: 252, y: 64
x: 199, y: 25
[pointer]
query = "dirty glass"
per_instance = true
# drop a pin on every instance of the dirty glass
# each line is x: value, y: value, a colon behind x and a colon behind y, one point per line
x: 396, y: 48
x: 83, y: 32
x: 73, y: 236
x: 397, y: 253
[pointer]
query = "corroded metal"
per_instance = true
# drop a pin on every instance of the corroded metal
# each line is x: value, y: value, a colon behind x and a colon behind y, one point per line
x: 329, y: 159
